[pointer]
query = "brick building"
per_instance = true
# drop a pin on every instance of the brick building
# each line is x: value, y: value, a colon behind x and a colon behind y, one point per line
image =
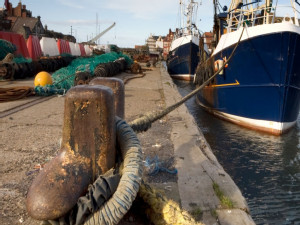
x: 208, y: 40
x: 19, y: 20
x: 167, y: 44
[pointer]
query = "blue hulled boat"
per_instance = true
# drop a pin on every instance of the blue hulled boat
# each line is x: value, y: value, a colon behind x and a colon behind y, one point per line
x: 184, y: 54
x: 260, y: 86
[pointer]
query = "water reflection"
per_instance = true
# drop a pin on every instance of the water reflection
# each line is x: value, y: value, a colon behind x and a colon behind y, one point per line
x: 265, y: 167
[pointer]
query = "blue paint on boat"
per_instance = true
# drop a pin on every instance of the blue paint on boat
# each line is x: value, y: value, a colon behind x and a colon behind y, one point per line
x: 184, y: 59
x: 268, y: 72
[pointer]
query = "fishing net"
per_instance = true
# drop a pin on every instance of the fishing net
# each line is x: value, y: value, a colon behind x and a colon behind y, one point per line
x: 63, y: 79
x: 21, y: 59
x: 6, y: 47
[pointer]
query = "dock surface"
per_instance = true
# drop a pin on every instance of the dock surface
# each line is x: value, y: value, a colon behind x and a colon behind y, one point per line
x: 31, y: 130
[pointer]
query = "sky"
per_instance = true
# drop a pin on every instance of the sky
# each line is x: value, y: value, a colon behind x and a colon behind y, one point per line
x: 135, y: 19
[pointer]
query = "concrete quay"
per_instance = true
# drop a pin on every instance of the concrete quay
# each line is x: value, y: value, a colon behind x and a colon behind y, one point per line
x: 30, y: 136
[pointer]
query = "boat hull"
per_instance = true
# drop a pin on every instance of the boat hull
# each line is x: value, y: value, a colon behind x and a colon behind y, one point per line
x: 183, y: 60
x: 260, y: 88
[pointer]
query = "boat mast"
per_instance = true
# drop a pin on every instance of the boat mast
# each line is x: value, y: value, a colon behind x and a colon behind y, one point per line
x: 181, y: 14
x: 216, y: 27
x: 189, y: 16
x: 267, y: 11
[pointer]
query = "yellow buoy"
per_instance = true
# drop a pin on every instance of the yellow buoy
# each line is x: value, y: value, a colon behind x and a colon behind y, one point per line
x: 42, y: 79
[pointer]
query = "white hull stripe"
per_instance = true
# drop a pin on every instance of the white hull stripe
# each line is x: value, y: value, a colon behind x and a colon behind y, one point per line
x: 250, y: 32
x: 183, y: 76
x: 184, y: 40
x: 273, y: 127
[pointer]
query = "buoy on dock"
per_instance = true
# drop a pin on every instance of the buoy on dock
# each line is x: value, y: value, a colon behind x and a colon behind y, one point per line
x: 42, y: 79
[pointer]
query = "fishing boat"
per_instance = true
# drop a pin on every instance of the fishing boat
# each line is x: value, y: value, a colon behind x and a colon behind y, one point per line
x: 259, y: 87
x: 184, y: 50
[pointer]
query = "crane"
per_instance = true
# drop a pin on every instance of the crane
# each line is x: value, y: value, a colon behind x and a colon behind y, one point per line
x: 100, y: 34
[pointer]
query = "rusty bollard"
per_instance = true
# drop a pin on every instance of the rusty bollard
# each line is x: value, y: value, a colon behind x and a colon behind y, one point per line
x: 87, y: 150
x: 117, y: 85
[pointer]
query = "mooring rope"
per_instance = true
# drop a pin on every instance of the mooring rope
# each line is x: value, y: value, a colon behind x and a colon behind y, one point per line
x: 112, y: 194
x: 127, y: 79
x: 162, y: 210
x: 15, y: 93
x: 144, y: 123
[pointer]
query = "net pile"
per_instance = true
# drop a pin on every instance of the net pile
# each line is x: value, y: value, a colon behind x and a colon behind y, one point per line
x: 63, y: 79
x: 6, y: 47
x: 21, y: 59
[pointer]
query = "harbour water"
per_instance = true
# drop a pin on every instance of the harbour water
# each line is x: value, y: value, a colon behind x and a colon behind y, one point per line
x: 266, y: 168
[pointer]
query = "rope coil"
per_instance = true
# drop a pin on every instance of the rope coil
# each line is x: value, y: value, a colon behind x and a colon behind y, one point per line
x: 112, y: 194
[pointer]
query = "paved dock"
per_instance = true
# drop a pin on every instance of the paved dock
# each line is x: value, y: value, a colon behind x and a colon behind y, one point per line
x: 31, y: 131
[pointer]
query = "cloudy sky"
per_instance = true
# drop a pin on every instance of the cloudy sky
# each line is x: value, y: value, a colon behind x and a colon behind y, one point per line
x: 135, y: 19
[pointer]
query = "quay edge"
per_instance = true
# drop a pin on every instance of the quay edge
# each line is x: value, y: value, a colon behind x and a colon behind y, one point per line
x: 37, y: 129
x: 198, y: 168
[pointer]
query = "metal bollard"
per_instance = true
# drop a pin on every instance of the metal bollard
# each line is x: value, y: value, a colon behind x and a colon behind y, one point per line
x: 88, y: 150
x: 117, y: 85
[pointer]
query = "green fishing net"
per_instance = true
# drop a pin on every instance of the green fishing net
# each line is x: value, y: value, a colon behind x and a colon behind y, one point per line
x: 5, y: 48
x: 22, y: 60
x: 63, y: 79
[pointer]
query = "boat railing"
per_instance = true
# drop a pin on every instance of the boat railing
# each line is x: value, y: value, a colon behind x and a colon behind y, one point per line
x: 261, y: 15
x: 184, y: 32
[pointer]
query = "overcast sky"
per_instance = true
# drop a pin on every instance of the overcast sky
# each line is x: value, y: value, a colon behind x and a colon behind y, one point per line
x: 135, y: 19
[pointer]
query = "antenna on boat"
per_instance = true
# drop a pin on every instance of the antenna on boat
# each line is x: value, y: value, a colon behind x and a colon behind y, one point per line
x: 216, y: 27
x: 181, y: 13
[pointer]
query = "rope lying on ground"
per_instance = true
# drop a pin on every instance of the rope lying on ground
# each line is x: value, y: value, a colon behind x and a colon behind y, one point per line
x: 163, y: 211
x: 144, y: 123
x: 111, y: 195
x: 15, y: 93
x: 127, y: 79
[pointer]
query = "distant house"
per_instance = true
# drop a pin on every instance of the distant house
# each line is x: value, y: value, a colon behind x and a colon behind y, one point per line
x: 19, y: 11
x: 20, y: 20
x: 167, y: 43
x: 5, y: 24
x: 151, y: 43
x: 14, y: 13
x: 160, y: 43
x: 28, y: 26
x: 155, y: 44
x: 208, y: 40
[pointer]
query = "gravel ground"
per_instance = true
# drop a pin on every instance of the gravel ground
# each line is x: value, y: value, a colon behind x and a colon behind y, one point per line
x: 31, y: 137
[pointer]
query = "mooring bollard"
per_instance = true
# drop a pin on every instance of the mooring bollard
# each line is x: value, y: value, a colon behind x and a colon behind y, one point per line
x: 87, y: 150
x: 117, y: 85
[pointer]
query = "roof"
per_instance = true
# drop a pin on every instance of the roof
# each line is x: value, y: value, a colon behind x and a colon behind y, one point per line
x: 208, y: 34
x: 21, y: 22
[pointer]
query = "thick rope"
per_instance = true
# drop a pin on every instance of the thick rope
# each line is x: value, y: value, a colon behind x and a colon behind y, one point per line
x: 163, y: 211
x: 15, y: 93
x: 118, y: 205
x: 127, y: 79
x: 105, y: 204
x: 144, y: 123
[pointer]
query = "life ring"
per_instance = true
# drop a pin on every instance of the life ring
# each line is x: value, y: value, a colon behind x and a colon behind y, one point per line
x: 219, y: 64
